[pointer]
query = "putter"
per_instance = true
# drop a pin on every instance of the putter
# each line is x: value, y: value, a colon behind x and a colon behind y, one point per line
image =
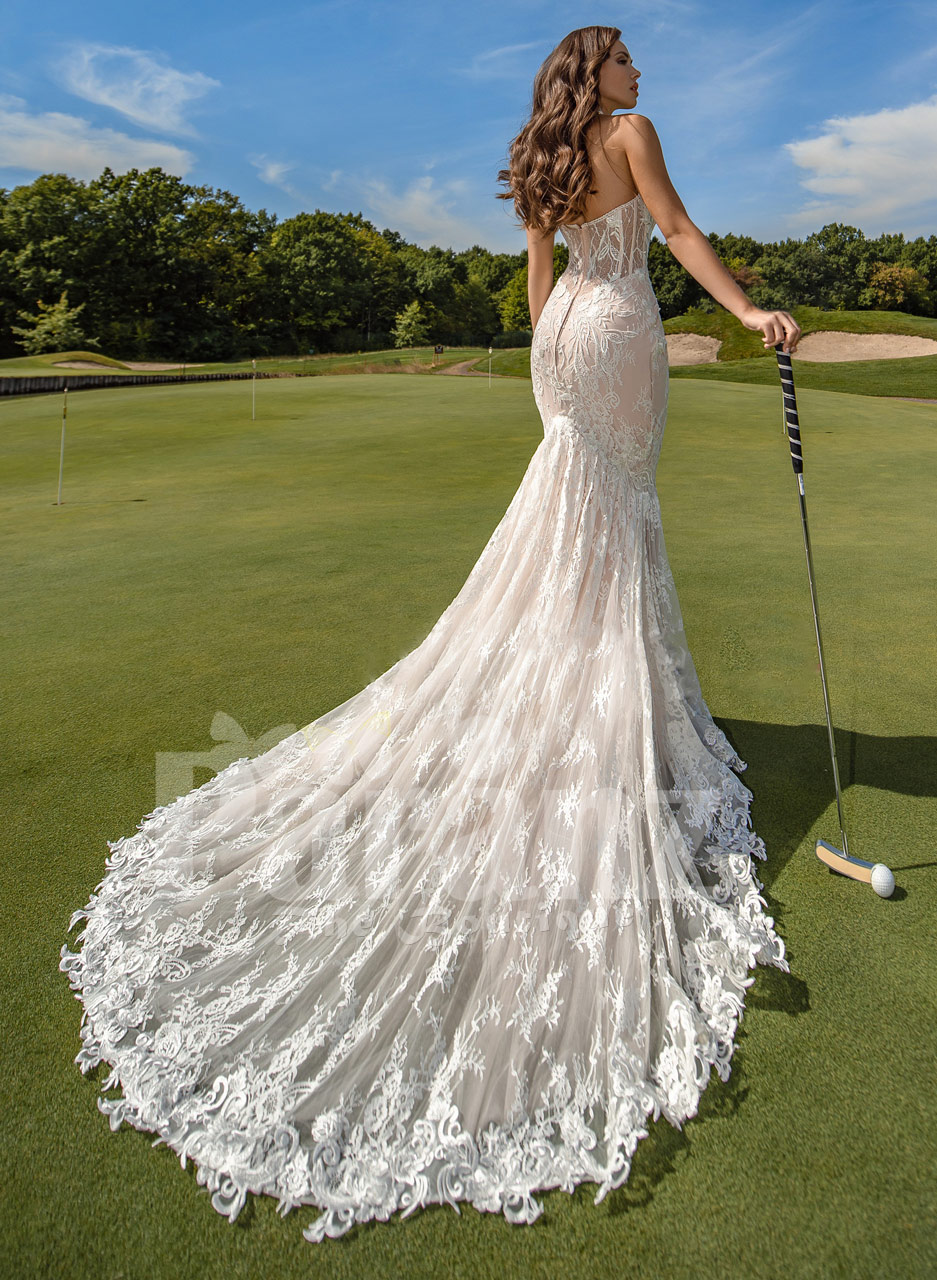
x: 841, y: 860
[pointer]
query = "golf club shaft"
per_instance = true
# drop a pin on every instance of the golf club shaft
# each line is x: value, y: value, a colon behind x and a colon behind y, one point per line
x: 826, y: 695
x: 797, y: 461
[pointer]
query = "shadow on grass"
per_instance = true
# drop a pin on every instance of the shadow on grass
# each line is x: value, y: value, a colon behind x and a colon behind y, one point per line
x: 791, y: 775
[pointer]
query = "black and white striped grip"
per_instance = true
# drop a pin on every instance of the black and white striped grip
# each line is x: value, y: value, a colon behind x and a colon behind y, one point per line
x: 790, y: 409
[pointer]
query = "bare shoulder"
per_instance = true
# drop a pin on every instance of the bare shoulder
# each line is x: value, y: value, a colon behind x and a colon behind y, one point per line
x: 627, y: 127
x: 638, y: 140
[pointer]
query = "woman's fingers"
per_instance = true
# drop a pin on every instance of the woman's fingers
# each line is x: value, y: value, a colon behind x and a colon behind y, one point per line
x: 781, y: 327
x: 792, y: 331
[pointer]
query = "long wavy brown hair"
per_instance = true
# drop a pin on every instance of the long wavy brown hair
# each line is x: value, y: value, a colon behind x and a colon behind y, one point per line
x: 549, y: 172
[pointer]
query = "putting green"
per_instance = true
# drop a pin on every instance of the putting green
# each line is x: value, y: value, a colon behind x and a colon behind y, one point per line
x: 204, y: 563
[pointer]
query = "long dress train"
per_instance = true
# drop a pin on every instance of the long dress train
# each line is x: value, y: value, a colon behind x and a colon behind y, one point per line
x: 457, y: 938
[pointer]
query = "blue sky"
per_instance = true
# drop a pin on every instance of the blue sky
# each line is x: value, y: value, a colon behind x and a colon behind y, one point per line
x: 774, y: 119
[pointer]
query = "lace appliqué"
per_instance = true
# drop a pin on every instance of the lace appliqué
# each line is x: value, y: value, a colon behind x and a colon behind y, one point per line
x: 458, y: 938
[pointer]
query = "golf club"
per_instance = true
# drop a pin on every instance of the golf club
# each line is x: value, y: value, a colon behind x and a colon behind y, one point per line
x: 839, y: 860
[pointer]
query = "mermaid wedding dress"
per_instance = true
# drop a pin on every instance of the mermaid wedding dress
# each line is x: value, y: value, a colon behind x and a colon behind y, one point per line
x: 457, y: 938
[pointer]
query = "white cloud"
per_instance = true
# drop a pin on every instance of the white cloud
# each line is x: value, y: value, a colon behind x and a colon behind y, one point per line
x: 423, y: 211
x: 134, y: 83
x: 867, y: 168
x: 273, y: 172
x: 52, y: 142
x: 504, y: 61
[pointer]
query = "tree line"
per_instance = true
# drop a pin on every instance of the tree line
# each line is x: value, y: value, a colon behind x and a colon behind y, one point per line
x: 142, y: 265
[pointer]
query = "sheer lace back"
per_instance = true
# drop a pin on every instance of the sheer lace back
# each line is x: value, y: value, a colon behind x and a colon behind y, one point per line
x: 611, y: 245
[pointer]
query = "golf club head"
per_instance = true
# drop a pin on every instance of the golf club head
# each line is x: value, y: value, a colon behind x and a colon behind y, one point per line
x: 874, y: 873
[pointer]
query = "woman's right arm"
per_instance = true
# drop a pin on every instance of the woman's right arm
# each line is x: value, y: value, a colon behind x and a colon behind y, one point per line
x: 539, y: 272
x: 687, y: 242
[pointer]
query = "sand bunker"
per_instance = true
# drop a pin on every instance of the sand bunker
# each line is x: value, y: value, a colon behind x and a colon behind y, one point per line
x: 83, y: 364
x: 691, y: 348
x: 146, y: 366
x: 825, y: 344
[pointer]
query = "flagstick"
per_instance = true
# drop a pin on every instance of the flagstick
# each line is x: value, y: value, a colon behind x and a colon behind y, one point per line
x: 254, y: 391
x: 489, y: 368
x: 62, y: 448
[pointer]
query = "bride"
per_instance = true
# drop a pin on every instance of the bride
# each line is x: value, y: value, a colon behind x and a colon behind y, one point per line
x: 456, y: 939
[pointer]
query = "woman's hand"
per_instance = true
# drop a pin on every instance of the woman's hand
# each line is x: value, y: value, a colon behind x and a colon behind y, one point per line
x: 777, y: 326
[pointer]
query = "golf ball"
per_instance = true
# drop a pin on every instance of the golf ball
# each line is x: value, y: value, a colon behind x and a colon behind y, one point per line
x: 883, y: 882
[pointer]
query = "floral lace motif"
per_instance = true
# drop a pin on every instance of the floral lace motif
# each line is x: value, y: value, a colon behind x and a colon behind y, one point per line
x: 456, y: 939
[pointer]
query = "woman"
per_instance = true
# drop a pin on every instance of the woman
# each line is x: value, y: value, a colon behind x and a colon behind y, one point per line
x: 456, y: 939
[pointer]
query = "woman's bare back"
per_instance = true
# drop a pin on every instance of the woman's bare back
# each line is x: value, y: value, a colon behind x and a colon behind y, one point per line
x: 612, y: 180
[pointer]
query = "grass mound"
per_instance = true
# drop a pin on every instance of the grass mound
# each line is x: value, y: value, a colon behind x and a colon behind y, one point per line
x: 47, y: 363
x: 95, y: 357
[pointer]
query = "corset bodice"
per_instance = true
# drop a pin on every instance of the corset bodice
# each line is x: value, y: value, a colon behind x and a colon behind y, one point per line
x: 612, y: 245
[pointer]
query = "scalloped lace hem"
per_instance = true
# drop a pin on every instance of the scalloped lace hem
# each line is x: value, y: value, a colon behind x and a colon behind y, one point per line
x: 355, y: 1176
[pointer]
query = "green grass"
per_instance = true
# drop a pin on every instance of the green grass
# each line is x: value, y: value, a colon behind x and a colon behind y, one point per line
x: 915, y: 376
x: 404, y: 359
x: 202, y: 562
x: 45, y: 364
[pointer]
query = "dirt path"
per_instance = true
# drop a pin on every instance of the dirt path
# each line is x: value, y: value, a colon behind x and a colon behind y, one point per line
x: 464, y: 367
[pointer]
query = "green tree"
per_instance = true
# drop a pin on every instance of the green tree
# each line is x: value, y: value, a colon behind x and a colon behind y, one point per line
x: 431, y: 274
x: 411, y: 327
x: 319, y: 274
x: 732, y: 246
x: 54, y: 327
x: 513, y: 303
x: 385, y: 287
x: 136, y: 298
x: 221, y: 302
x: 792, y: 274
x: 891, y: 287
x: 493, y: 270
x: 843, y: 255
x: 922, y: 255
x: 43, y: 238
x: 473, y: 314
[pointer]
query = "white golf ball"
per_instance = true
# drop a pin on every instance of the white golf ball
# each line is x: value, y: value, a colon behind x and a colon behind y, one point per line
x: 883, y: 882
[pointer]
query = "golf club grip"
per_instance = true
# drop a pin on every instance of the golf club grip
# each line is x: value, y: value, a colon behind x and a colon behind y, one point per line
x: 790, y: 409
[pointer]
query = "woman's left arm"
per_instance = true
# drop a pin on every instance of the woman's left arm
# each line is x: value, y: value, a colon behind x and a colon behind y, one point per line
x: 539, y: 271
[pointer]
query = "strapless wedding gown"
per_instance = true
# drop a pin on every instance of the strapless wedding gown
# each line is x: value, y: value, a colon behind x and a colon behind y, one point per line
x: 456, y: 939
